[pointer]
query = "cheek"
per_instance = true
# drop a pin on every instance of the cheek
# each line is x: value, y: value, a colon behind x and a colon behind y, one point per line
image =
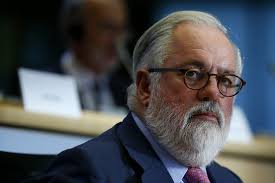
x: 94, y: 40
x: 178, y: 96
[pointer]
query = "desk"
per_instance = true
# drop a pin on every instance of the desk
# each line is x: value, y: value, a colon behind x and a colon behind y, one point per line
x: 90, y: 123
x: 254, y: 162
x: 34, y: 133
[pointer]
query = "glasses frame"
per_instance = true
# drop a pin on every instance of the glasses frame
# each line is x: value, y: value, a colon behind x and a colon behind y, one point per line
x: 242, y: 83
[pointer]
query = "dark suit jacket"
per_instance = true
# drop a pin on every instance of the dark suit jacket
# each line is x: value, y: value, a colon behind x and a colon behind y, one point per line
x: 122, y: 154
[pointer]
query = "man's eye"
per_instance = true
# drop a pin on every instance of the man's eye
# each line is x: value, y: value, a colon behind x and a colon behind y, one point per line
x: 226, y: 81
x: 193, y: 74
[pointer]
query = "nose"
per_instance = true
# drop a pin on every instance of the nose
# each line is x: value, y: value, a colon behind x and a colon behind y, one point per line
x: 210, y: 92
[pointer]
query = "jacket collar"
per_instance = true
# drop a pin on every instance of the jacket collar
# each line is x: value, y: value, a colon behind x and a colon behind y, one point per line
x: 141, y: 152
x: 218, y: 174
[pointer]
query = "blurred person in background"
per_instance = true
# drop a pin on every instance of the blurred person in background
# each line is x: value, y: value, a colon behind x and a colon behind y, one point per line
x: 95, y: 32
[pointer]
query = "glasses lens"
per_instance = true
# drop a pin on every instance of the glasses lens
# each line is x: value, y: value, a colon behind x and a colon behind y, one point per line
x: 229, y: 85
x: 195, y: 79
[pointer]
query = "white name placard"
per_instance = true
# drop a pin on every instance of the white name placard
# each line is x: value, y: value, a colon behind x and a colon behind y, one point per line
x: 49, y: 93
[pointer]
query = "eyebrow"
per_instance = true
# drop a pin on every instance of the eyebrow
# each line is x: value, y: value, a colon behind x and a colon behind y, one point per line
x: 201, y: 64
x: 226, y: 71
x: 193, y: 62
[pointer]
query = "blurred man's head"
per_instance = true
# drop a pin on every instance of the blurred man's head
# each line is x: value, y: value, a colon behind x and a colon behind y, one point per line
x: 94, y: 29
x: 186, y: 73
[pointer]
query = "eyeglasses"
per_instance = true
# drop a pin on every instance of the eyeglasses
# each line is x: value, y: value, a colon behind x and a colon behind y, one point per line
x: 229, y: 85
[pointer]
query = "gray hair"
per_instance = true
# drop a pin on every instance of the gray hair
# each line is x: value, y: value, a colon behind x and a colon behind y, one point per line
x: 153, y: 47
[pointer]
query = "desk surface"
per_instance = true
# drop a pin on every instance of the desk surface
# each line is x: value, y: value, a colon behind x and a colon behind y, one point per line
x: 93, y: 124
x: 90, y: 123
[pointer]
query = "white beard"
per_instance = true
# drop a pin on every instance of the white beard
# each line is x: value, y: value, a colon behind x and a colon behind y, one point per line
x: 192, y: 142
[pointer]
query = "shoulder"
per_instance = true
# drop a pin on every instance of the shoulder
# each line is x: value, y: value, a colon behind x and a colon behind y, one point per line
x: 92, y: 161
x: 54, y: 68
x: 119, y: 80
x: 99, y: 149
x: 103, y: 144
x: 222, y: 174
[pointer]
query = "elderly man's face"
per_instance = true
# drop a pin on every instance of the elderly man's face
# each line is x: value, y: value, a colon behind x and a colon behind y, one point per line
x: 204, y: 48
x: 105, y: 23
x: 192, y: 124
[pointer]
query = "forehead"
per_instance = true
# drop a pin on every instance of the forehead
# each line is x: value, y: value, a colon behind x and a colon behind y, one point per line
x: 201, y: 44
x: 110, y: 11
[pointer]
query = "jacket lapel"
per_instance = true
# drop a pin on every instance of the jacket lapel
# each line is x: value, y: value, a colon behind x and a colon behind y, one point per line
x: 218, y: 174
x: 142, y: 153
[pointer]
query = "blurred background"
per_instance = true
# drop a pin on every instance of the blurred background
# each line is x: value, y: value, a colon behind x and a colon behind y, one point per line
x: 30, y: 37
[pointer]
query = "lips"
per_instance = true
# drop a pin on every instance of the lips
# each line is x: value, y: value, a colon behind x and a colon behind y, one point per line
x: 207, y: 116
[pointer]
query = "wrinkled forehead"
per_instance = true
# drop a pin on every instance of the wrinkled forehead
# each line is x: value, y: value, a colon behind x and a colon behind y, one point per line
x: 202, y: 43
x: 189, y: 31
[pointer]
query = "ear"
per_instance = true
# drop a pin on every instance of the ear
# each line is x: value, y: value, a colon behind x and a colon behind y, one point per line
x: 143, y: 83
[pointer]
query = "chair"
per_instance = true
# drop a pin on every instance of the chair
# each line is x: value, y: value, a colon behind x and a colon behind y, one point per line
x: 16, y: 167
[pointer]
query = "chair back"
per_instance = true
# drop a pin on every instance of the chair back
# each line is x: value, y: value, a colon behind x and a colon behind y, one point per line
x: 15, y: 167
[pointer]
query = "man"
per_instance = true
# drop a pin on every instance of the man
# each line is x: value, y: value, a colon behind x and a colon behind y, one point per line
x: 186, y: 73
x: 95, y: 31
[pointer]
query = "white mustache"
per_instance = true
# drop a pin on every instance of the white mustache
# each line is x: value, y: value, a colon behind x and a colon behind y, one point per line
x: 207, y: 106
